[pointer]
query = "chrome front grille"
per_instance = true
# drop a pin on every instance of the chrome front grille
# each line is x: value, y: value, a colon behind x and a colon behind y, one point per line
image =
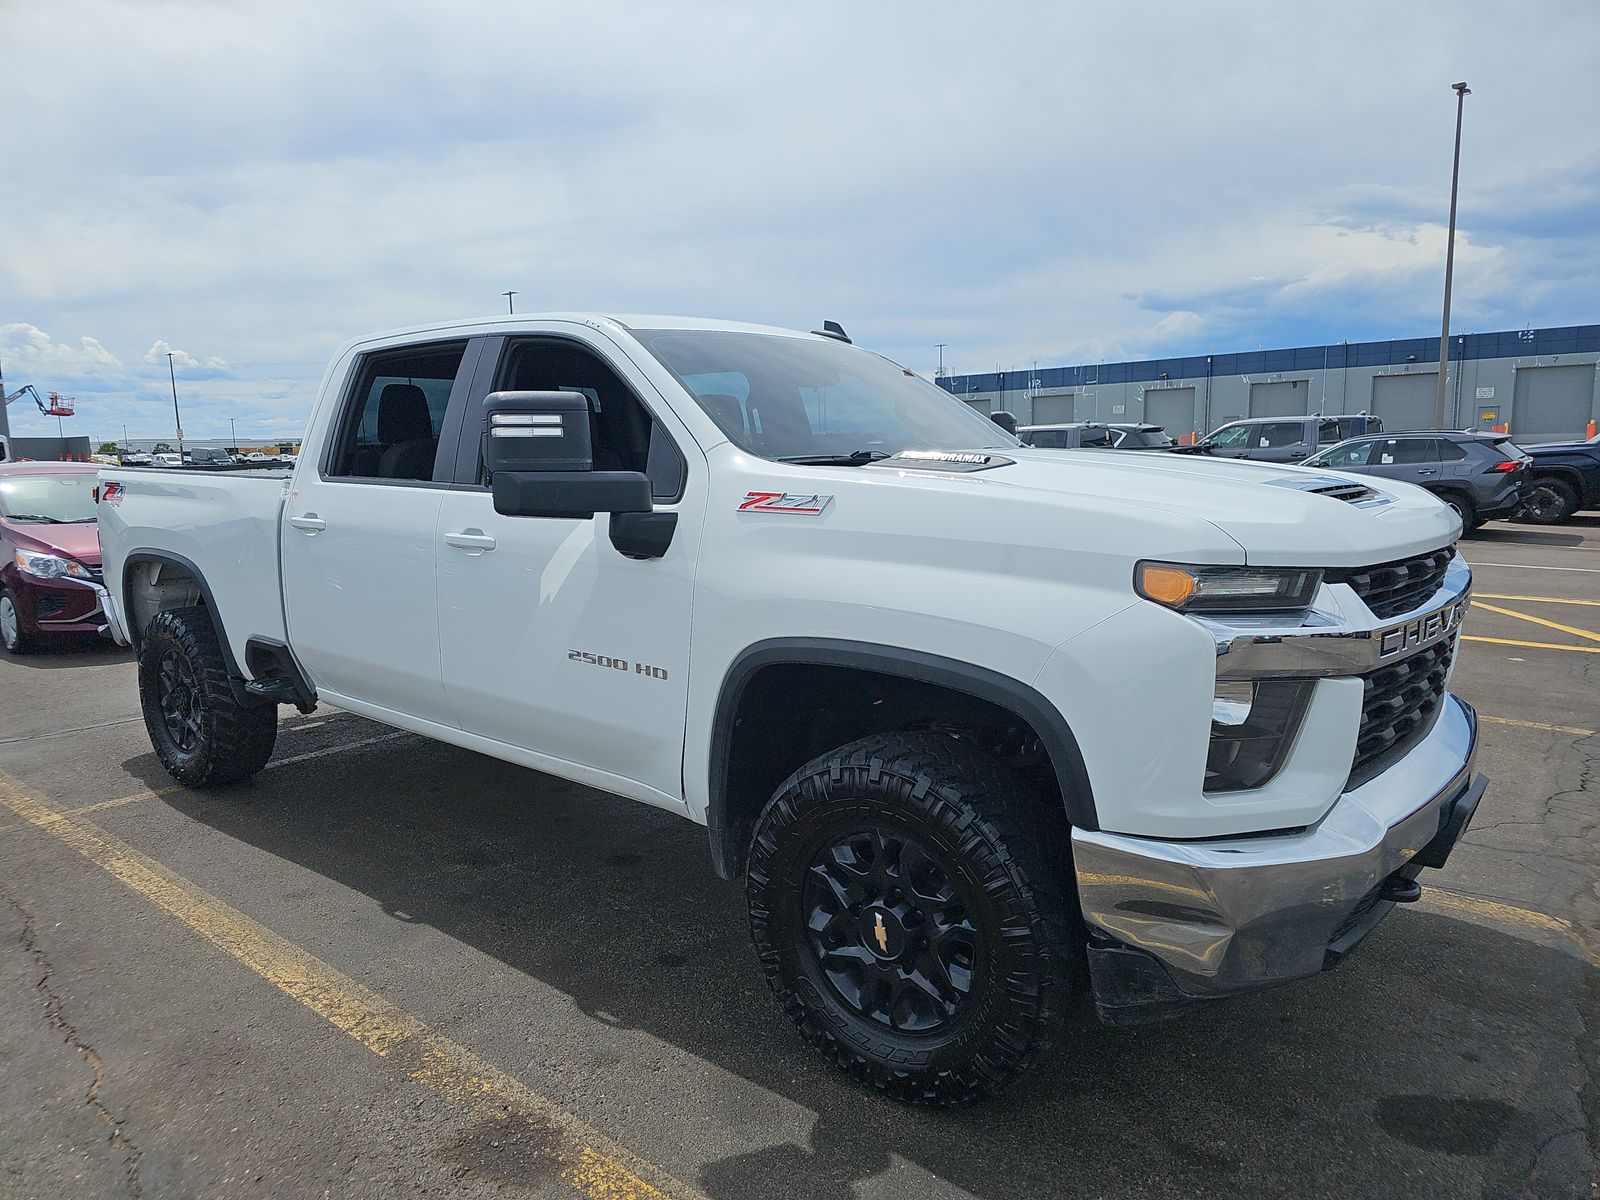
x: 1390, y: 589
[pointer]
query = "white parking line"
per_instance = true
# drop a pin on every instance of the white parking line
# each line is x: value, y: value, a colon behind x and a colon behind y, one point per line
x: 1531, y: 567
x: 339, y: 749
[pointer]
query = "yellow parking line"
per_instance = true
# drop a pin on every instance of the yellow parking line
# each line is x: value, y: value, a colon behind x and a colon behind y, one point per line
x: 1537, y: 599
x: 1556, y: 625
x: 121, y: 800
x: 589, y: 1162
x: 1437, y: 897
x: 1538, y: 725
x: 1467, y: 637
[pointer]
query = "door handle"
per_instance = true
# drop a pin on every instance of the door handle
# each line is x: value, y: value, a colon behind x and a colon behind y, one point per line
x: 470, y: 539
x: 1426, y: 471
x: 309, y: 522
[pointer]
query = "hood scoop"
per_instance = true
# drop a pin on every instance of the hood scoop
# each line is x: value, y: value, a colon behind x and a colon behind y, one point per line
x: 1334, y: 488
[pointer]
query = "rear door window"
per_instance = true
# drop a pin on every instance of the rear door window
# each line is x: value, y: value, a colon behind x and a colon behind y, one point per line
x: 1400, y: 451
x: 390, y: 428
x: 1279, y: 434
x: 1449, y: 451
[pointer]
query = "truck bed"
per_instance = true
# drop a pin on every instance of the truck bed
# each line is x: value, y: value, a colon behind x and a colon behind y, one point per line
x: 159, y: 525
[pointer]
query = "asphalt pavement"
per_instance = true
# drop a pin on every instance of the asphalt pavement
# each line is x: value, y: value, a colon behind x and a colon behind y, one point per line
x: 390, y: 967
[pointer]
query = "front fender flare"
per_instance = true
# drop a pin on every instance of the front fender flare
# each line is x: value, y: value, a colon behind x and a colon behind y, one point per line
x: 1072, y: 777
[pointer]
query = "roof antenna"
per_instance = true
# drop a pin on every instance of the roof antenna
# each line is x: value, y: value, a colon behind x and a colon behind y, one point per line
x: 834, y: 330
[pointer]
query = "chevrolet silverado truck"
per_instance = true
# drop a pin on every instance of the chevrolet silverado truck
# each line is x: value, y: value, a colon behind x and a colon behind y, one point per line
x: 984, y: 730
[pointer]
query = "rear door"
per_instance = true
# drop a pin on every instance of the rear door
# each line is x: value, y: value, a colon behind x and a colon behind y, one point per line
x: 359, y: 532
x: 1412, y: 460
x: 1279, y: 441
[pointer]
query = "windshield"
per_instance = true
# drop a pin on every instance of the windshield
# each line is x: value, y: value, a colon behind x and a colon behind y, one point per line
x: 791, y: 397
x: 60, y: 498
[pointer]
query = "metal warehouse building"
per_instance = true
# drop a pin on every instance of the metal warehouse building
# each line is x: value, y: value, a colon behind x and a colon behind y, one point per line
x: 1541, y: 383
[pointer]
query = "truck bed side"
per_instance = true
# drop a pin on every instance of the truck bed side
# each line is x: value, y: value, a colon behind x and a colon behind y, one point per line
x: 175, y: 537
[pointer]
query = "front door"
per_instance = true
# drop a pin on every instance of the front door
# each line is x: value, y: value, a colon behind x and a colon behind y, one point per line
x: 552, y: 641
x: 359, y: 535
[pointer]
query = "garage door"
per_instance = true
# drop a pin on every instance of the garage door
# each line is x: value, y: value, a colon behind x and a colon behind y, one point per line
x: 1171, y: 408
x: 1285, y: 399
x: 1406, y: 401
x: 979, y: 406
x: 1552, y: 404
x: 1051, y: 410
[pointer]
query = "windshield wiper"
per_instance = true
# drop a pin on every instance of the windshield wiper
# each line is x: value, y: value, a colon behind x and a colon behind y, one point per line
x: 33, y: 517
x: 856, y: 458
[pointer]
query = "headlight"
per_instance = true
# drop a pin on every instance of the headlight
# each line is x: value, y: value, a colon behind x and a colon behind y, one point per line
x: 1226, y: 589
x: 50, y: 566
x: 1253, y: 724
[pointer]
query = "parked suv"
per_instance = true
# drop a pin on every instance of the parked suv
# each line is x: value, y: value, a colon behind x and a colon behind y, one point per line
x: 1095, y: 435
x: 1280, y: 439
x: 1482, y: 476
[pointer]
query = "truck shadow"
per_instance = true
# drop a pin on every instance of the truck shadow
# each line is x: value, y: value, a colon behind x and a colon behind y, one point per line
x: 67, y: 653
x: 1443, y: 1051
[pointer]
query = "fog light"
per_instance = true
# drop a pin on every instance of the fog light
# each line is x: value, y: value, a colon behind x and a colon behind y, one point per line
x: 1252, y: 728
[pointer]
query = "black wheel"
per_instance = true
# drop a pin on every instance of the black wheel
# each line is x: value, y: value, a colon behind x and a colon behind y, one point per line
x: 13, y: 636
x: 1551, y: 502
x: 202, y: 733
x: 907, y: 911
x: 1464, y: 509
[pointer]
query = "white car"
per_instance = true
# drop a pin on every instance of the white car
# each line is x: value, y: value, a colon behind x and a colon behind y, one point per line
x: 981, y: 730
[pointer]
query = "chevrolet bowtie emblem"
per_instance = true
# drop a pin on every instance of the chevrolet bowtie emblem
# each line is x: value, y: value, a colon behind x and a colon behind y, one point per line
x: 881, y: 933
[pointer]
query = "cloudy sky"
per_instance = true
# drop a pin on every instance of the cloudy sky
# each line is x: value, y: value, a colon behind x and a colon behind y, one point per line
x: 249, y: 184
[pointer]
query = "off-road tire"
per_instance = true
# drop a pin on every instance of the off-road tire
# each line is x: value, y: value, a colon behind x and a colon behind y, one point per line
x: 1003, y: 847
x: 21, y: 641
x: 1554, y: 507
x: 231, y: 740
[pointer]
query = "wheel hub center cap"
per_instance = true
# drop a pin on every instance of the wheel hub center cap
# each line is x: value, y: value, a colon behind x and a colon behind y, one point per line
x: 882, y: 932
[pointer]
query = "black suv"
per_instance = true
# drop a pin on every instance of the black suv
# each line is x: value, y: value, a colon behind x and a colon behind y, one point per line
x: 1480, y: 475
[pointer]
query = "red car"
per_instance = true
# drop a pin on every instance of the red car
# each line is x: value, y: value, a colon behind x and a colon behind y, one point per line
x: 52, y: 553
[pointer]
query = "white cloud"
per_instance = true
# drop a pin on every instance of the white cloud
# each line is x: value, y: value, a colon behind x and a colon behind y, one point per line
x: 159, y: 351
x: 31, y: 349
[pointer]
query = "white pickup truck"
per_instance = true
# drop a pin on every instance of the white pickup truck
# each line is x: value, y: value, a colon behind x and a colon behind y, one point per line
x: 985, y: 729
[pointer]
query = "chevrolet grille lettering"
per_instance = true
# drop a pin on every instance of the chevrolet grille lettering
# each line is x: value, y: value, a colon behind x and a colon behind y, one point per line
x: 1425, y: 630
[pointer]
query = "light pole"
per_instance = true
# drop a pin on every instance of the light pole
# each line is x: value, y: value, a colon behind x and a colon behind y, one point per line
x: 1462, y: 92
x: 176, y: 419
x: 124, y: 438
x: 509, y: 308
x: 233, y: 433
x: 939, y: 346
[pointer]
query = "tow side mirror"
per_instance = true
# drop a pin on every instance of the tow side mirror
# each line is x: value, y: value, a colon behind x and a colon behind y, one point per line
x: 537, y: 448
x: 536, y: 431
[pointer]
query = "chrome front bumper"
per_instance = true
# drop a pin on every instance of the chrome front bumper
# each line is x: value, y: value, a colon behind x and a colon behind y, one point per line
x: 1176, y: 922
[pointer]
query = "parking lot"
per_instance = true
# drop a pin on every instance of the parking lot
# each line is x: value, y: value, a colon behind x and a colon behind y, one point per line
x: 388, y: 966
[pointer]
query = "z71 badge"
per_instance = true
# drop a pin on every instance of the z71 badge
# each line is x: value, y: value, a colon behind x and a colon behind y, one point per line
x: 785, y: 502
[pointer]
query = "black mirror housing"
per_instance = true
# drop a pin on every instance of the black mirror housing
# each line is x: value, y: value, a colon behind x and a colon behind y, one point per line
x: 570, y: 493
x: 536, y: 431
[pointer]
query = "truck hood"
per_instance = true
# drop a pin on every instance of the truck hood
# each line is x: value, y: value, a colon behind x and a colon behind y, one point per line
x: 1273, y: 512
